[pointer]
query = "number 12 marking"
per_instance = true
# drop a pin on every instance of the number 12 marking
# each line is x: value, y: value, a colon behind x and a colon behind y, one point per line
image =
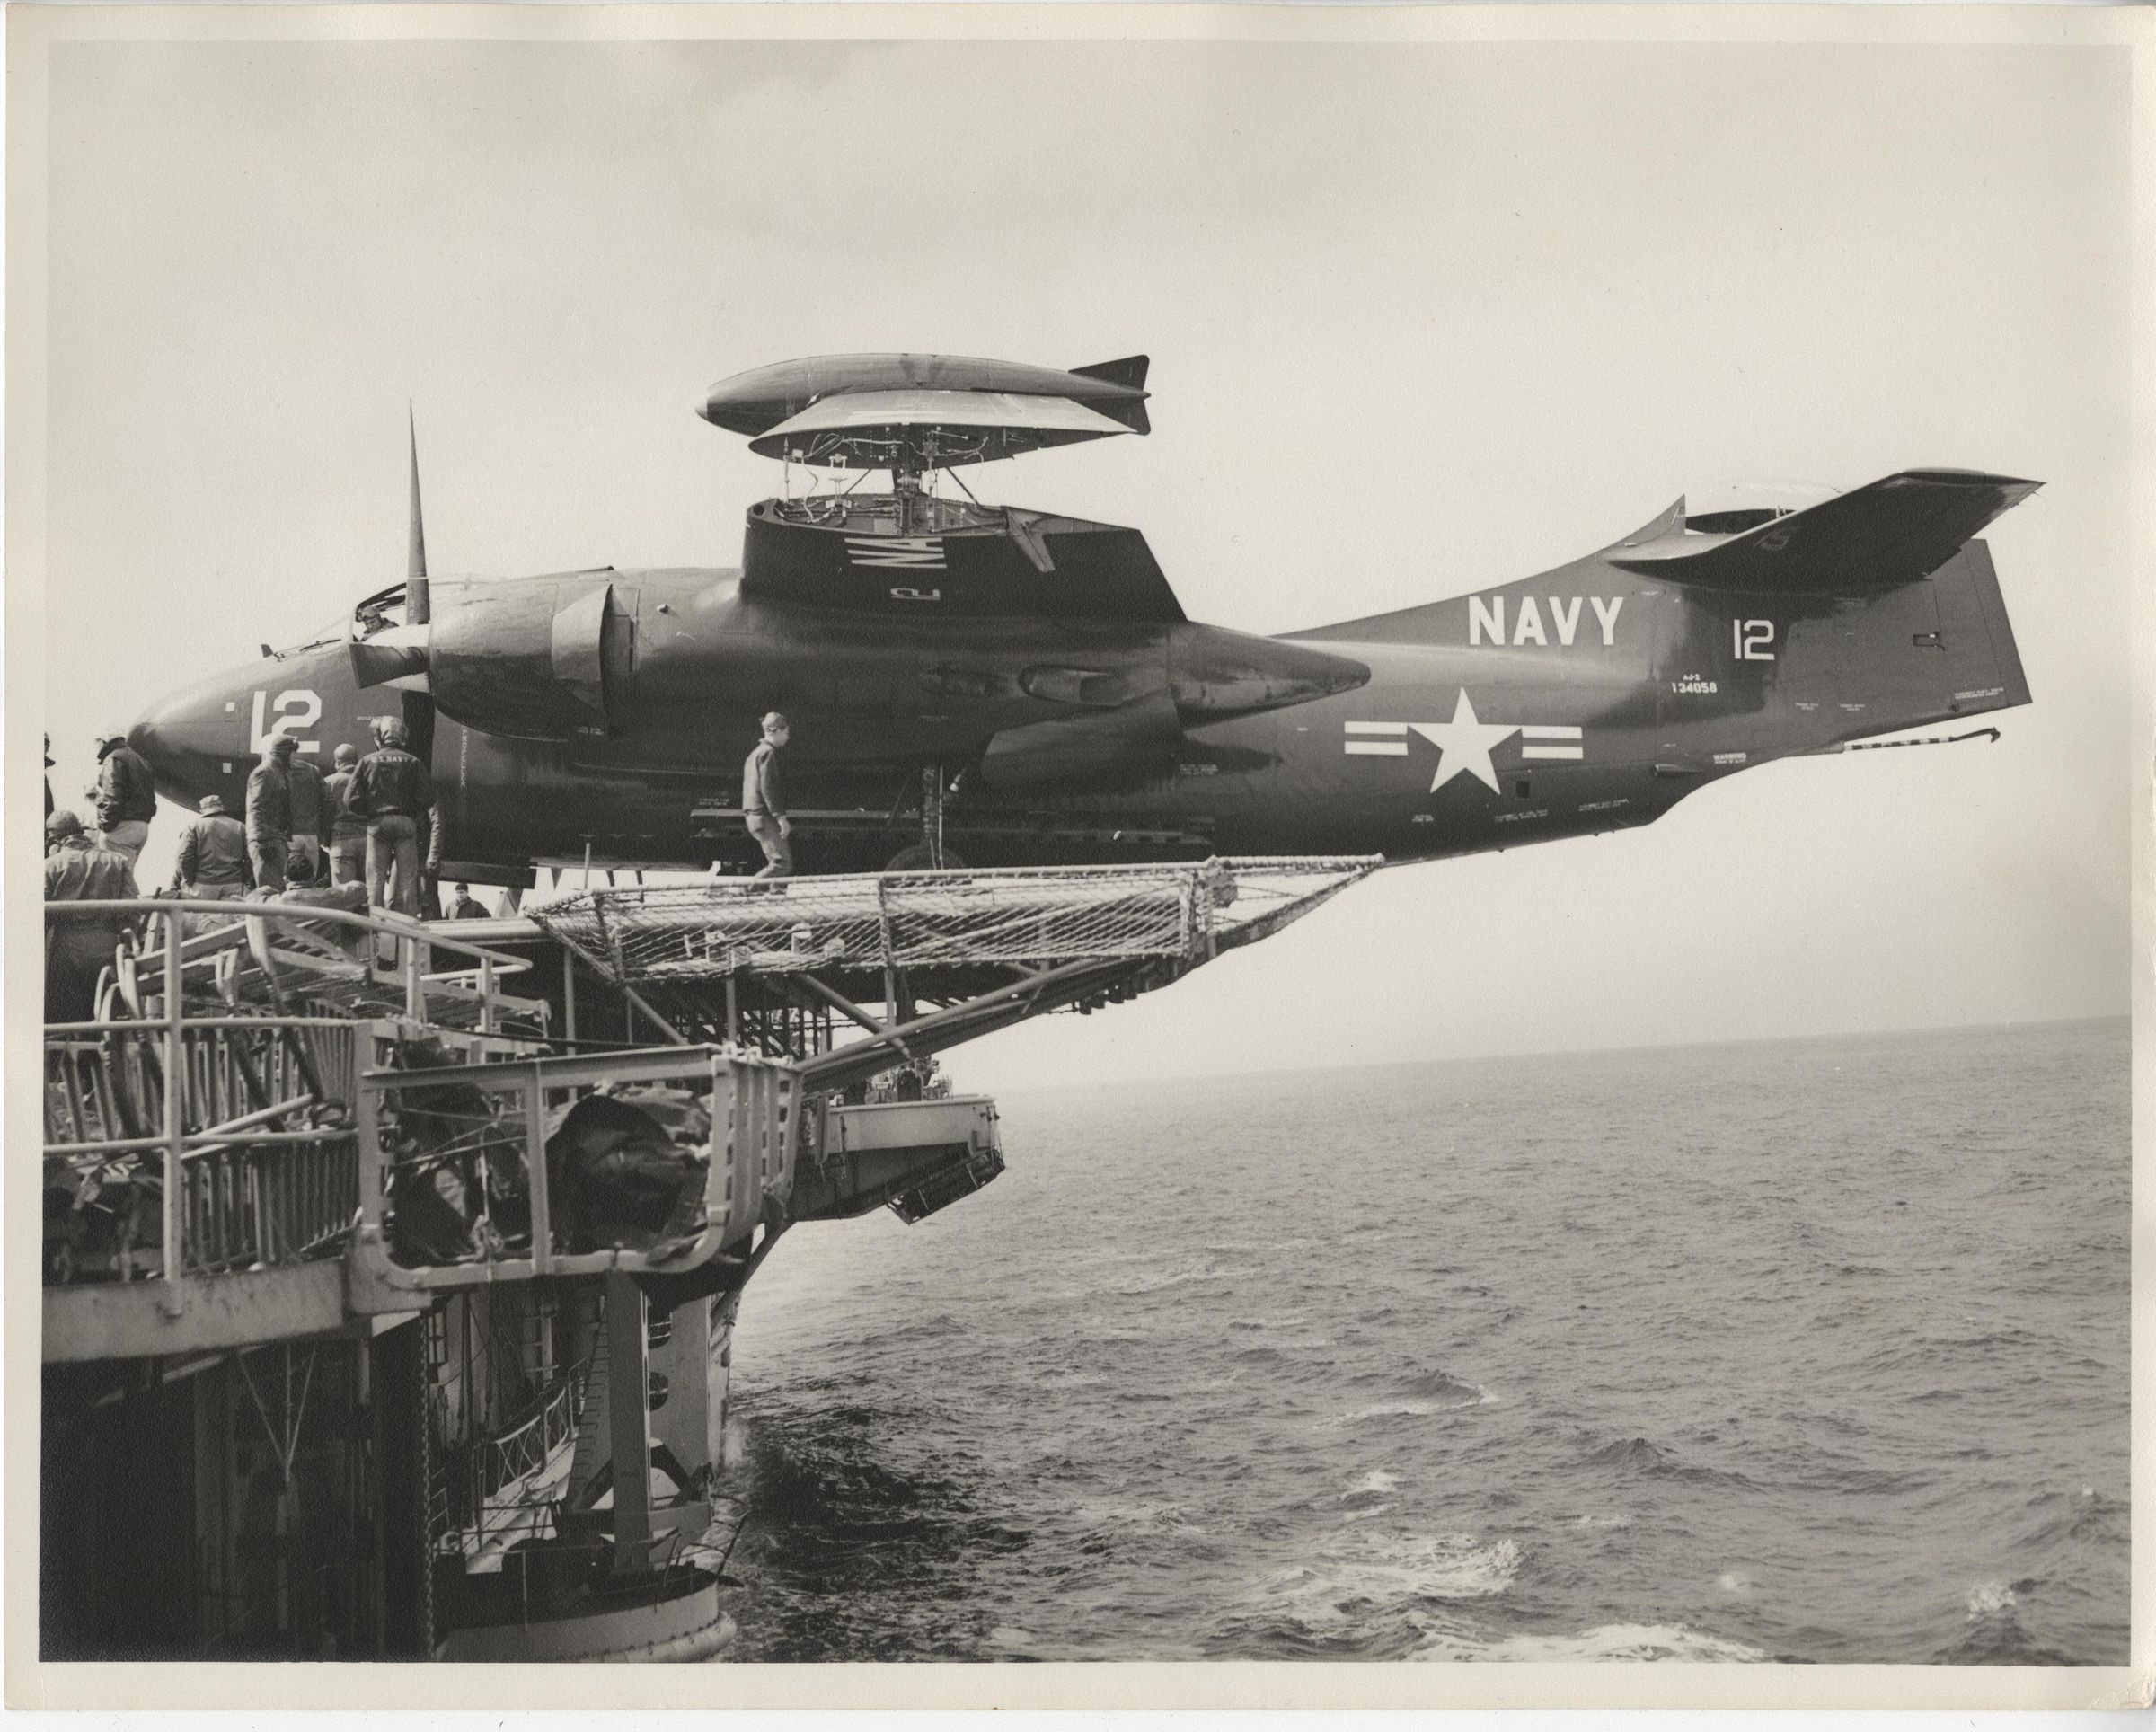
x: 1750, y: 639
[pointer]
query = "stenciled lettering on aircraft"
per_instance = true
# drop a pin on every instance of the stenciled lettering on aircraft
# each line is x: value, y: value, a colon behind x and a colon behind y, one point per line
x: 916, y: 595
x: 1750, y: 640
x: 909, y: 553
x: 1694, y: 685
x: 295, y: 710
x: 1486, y: 619
x: 1465, y: 743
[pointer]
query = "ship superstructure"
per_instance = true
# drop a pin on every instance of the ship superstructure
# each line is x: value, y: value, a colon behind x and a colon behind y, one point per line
x: 348, y: 1336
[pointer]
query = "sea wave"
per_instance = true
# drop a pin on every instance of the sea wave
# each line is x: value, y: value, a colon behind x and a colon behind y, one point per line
x: 1445, y: 1388
x: 1478, y: 1436
x: 1639, y: 1455
x: 1431, y: 1392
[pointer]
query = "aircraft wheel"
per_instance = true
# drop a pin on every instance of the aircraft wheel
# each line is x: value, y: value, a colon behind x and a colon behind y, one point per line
x: 916, y: 859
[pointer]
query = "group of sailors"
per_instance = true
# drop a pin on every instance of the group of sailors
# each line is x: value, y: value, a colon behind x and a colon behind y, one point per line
x: 370, y: 822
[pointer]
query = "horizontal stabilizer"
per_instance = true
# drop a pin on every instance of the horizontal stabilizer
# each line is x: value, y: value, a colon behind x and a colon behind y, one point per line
x: 1890, y: 532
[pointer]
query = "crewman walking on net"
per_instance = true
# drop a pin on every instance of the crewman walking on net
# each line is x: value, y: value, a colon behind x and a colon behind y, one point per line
x: 764, y: 798
x: 392, y: 791
x: 81, y: 868
x: 269, y: 812
x: 302, y: 863
x: 347, y: 833
x: 126, y: 796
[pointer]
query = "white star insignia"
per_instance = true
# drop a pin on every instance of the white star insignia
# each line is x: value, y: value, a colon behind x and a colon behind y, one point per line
x: 1464, y: 744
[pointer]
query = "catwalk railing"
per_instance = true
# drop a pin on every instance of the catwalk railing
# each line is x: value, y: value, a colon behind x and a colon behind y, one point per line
x: 652, y: 1163
x: 252, y: 1160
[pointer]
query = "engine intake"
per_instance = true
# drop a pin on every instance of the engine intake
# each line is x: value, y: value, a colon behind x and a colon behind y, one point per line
x: 532, y: 659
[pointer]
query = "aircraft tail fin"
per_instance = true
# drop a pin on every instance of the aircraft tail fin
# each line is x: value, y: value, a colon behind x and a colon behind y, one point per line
x: 1917, y: 656
x: 1975, y: 638
x: 1130, y: 372
x: 1893, y: 532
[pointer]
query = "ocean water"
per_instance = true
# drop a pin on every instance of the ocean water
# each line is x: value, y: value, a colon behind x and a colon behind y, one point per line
x: 1804, y: 1351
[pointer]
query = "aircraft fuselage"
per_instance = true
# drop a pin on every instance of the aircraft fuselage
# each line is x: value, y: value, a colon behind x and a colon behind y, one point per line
x: 1585, y: 700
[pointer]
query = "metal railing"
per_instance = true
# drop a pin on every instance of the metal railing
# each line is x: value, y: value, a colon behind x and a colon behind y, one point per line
x: 267, y: 1208
x: 251, y: 1114
x: 523, y: 1451
x: 462, y: 1183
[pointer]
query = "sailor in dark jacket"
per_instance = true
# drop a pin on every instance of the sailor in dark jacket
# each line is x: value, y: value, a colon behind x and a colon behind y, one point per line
x: 127, y: 795
x: 393, y: 792
x: 310, y: 819
x: 347, y: 833
x: 270, y: 813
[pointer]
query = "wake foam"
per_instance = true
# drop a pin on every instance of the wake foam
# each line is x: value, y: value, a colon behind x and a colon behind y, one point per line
x: 1604, y: 1642
x: 1365, y: 1579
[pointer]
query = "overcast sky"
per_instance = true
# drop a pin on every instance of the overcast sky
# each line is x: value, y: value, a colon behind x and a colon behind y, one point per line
x: 1422, y: 320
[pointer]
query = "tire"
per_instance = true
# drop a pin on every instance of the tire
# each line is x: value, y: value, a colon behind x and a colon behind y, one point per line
x: 916, y: 859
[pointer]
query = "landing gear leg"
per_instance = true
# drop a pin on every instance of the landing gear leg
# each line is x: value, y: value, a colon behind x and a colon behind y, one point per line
x: 929, y: 852
x: 932, y: 813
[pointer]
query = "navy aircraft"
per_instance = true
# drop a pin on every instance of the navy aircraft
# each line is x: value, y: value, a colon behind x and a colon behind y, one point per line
x: 993, y: 686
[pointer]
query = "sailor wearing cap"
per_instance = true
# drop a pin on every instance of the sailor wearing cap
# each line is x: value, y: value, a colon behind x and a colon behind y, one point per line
x: 213, y: 855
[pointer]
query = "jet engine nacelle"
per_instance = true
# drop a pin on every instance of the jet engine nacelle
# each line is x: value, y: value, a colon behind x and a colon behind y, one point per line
x: 529, y: 659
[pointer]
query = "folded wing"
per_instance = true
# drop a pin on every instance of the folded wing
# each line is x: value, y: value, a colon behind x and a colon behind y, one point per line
x: 1893, y: 532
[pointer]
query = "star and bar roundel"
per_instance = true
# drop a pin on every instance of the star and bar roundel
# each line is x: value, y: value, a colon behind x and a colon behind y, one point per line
x: 1465, y: 743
